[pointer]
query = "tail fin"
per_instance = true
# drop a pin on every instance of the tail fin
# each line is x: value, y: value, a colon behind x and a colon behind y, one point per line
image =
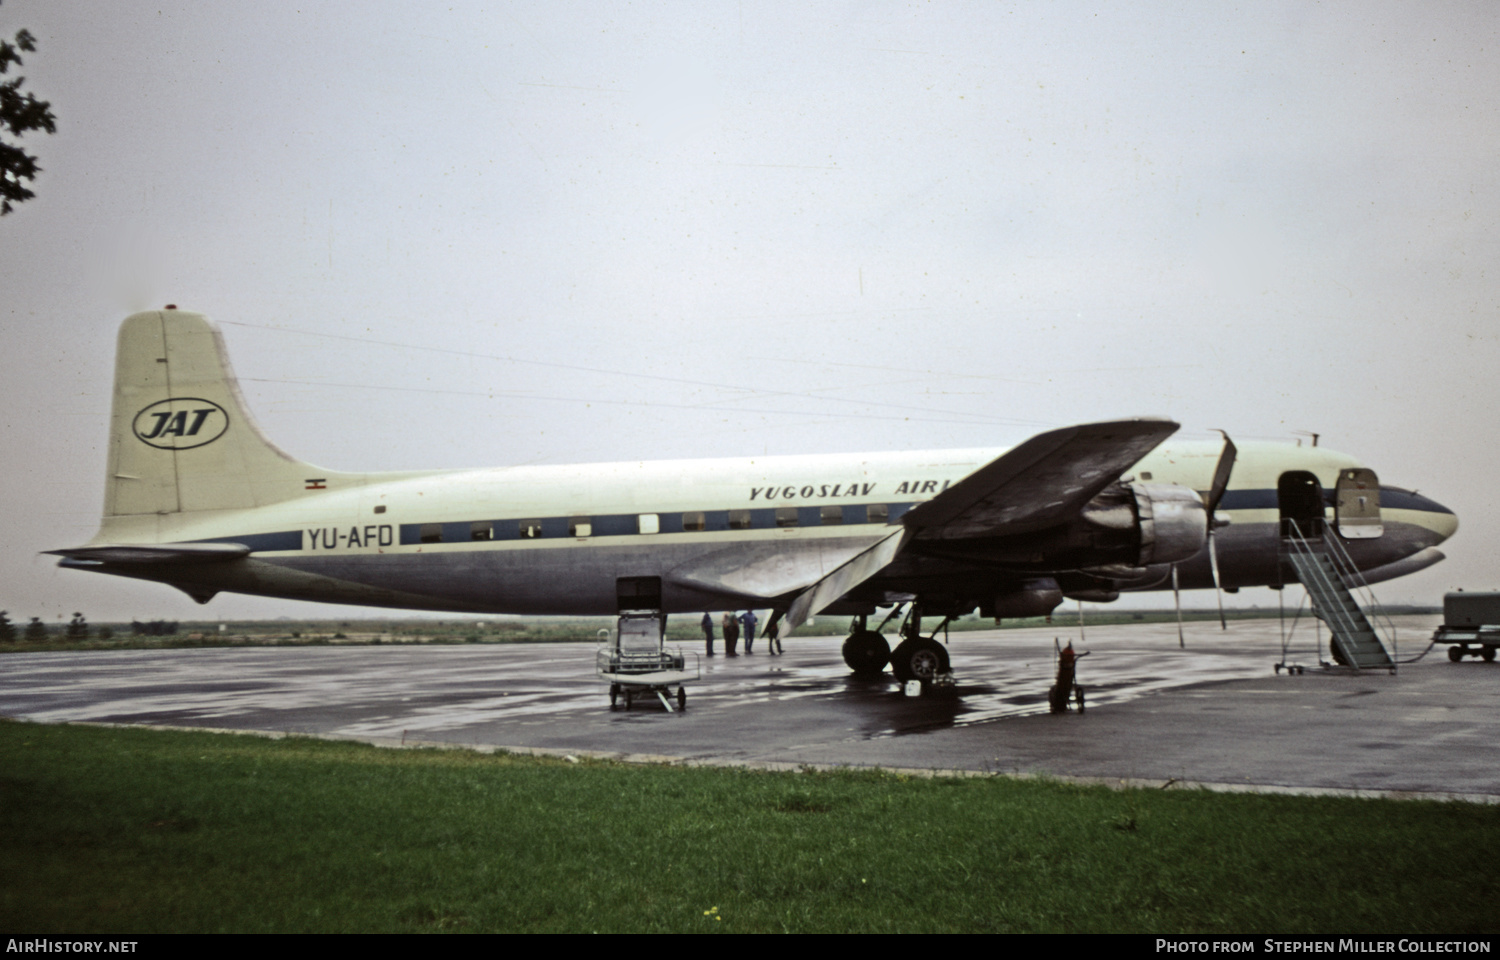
x: 181, y: 439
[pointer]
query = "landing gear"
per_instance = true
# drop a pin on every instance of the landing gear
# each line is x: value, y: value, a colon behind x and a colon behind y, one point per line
x: 866, y: 652
x: 919, y: 658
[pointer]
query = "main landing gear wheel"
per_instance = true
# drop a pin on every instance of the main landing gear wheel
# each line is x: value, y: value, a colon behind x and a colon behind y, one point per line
x: 866, y: 653
x: 919, y: 659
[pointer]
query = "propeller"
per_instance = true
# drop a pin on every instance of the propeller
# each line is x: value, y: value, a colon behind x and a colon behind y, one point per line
x: 1211, y: 503
x: 1211, y: 499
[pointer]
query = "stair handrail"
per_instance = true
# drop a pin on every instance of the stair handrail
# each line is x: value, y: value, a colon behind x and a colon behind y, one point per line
x: 1354, y: 580
x: 1339, y: 620
x: 1292, y: 534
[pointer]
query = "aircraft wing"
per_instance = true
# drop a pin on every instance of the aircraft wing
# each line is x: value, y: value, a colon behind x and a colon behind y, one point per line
x: 155, y: 552
x: 1043, y: 482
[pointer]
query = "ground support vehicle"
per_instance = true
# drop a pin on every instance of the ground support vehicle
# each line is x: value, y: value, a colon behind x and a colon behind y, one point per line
x: 1066, y: 693
x: 636, y: 663
x: 1471, y: 624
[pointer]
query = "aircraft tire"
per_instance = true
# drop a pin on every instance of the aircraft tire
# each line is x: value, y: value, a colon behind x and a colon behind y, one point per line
x: 866, y: 652
x: 919, y: 659
x: 1455, y: 654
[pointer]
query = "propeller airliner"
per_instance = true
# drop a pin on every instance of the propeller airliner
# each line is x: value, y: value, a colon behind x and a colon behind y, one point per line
x: 198, y: 498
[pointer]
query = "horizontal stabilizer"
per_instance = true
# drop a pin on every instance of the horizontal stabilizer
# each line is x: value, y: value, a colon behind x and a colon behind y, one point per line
x: 155, y: 552
x: 1043, y: 482
x: 846, y: 578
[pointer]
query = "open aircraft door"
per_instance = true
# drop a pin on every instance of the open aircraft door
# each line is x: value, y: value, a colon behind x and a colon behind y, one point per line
x: 1357, y: 505
x: 1300, y: 499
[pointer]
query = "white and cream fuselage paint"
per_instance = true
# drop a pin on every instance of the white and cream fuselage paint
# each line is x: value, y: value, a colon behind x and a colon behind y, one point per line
x: 188, y: 466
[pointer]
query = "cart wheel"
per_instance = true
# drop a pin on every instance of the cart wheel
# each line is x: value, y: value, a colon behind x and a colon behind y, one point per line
x: 1455, y: 654
x: 1278, y: 668
x: 614, y: 694
x: 681, y: 699
x: 628, y: 698
x: 1079, y: 694
x: 1488, y: 654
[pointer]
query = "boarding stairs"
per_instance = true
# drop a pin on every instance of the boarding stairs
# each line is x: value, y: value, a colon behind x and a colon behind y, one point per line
x: 1332, y: 581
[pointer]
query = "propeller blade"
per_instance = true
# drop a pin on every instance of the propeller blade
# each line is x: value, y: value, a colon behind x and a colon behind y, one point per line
x: 1216, y: 493
x: 1177, y: 602
x: 1213, y: 559
x: 1221, y: 477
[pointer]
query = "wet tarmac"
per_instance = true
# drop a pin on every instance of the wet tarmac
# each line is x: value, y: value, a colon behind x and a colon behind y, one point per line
x: 1213, y: 713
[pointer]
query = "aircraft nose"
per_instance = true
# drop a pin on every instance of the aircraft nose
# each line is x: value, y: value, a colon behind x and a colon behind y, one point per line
x: 1440, y: 522
x: 1444, y: 524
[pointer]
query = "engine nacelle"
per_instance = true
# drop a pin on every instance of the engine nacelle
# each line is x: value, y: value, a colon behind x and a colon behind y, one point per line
x: 1034, y: 598
x: 1170, y: 521
x: 1173, y: 520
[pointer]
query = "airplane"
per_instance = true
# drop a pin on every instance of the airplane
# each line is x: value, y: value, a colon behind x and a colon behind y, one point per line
x: 197, y: 497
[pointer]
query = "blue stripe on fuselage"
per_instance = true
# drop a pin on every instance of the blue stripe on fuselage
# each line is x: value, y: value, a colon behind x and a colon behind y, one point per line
x: 761, y: 518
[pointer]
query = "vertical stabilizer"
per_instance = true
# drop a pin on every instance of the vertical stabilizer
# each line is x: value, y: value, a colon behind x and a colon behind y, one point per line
x: 181, y: 439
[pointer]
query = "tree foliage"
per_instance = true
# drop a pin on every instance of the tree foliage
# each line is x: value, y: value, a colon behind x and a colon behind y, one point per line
x: 19, y: 114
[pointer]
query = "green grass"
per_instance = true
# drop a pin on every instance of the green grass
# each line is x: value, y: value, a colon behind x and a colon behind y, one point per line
x: 133, y: 830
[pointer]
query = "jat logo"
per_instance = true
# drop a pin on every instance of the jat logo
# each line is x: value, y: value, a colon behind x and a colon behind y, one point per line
x: 181, y: 423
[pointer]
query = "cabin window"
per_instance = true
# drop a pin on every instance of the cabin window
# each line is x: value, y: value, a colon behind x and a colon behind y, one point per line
x: 786, y: 516
x: 380, y: 508
x: 877, y: 513
x: 693, y: 521
x: 1145, y: 474
x: 432, y: 533
x: 649, y: 523
x: 481, y: 530
x: 580, y: 527
x: 828, y: 515
x: 739, y: 520
x: 529, y: 529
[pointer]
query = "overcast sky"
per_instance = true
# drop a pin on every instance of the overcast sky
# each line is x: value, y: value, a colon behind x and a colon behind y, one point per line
x: 467, y: 235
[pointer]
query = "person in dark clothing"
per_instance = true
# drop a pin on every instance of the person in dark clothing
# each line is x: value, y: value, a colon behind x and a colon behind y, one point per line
x: 748, y: 620
x: 773, y: 636
x: 731, y: 635
x: 708, y: 633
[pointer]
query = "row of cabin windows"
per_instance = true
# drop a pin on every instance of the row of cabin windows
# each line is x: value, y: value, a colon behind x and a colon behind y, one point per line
x: 691, y: 521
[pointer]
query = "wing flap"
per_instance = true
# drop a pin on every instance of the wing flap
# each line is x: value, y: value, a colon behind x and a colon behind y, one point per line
x: 766, y: 569
x: 1043, y: 482
x: 851, y: 574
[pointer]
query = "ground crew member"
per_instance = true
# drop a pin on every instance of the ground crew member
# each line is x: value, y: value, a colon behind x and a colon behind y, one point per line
x: 748, y: 619
x: 731, y: 635
x: 708, y: 633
